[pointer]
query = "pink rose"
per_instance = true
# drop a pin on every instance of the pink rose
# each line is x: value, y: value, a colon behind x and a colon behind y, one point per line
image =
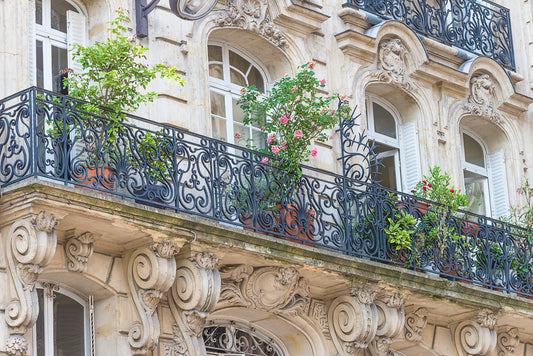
x: 343, y: 97
x: 283, y: 146
x: 425, y: 188
x: 311, y: 65
x: 294, y: 89
x: 333, y: 112
x: 243, y: 90
x: 452, y: 191
x: 263, y: 128
x: 264, y: 160
x: 298, y: 134
x: 284, y: 119
x: 237, y: 135
x: 271, y: 138
x: 314, y: 152
x: 297, y: 99
x: 324, y: 110
x: 275, y: 149
x: 323, y: 81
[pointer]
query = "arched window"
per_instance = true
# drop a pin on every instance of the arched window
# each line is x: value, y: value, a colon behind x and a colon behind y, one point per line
x: 58, y: 24
x: 476, y: 174
x: 61, y: 327
x: 229, y: 72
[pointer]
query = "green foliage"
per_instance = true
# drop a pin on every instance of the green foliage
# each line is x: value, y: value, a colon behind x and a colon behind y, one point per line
x: 293, y: 114
x: 400, y: 229
x: 522, y: 216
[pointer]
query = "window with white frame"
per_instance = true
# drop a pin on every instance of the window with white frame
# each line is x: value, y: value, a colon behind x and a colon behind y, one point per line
x: 229, y: 72
x: 476, y: 174
x: 58, y: 24
x: 61, y: 327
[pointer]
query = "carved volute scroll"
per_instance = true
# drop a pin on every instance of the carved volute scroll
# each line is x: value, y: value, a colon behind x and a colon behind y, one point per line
x: 507, y: 342
x: 279, y: 290
x: 251, y: 15
x: 476, y: 337
x: 415, y: 323
x: 78, y: 249
x: 353, y: 321
x: 390, y: 323
x: 151, y: 272
x: 482, y: 99
x: 192, y: 297
x: 393, y: 64
x: 31, y: 245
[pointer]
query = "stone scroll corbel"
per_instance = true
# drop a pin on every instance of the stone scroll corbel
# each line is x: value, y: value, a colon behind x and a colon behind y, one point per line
x: 151, y: 272
x: 477, y: 336
x: 391, y: 320
x: 78, y: 249
x: 30, y: 246
x: 192, y: 297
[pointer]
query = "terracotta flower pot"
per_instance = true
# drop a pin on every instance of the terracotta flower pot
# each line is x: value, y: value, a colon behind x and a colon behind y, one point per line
x: 291, y: 223
x: 93, y: 173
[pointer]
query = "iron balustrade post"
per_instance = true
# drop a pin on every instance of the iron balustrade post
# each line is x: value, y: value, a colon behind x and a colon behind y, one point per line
x: 32, y: 97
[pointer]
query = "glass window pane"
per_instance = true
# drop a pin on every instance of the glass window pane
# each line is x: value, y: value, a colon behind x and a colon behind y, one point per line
x: 215, y: 71
x: 473, y: 151
x: 238, y: 62
x: 214, y: 53
x: 39, y: 63
x: 238, y: 114
x: 58, y: 14
x: 256, y: 79
x: 218, y: 105
x: 219, y: 128
x: 59, y: 63
x: 388, y: 172
x: 384, y: 122
x: 237, y: 78
x: 244, y: 131
x: 258, y: 138
x: 39, y: 12
x: 69, y: 327
x: 39, y: 325
x: 475, y: 186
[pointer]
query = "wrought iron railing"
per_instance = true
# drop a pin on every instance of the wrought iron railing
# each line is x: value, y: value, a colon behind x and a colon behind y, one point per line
x: 478, y: 26
x: 43, y: 134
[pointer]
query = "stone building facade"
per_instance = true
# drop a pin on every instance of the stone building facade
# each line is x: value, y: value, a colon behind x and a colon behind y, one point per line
x: 91, y: 273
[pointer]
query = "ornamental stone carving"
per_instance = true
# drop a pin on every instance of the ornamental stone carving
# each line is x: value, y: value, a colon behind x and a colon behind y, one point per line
x: 481, y: 101
x: 150, y: 274
x: 251, y: 15
x: 507, y: 342
x: 353, y: 321
x: 318, y: 312
x: 476, y: 337
x: 279, y: 290
x: 31, y: 245
x: 415, y: 323
x: 78, y: 249
x: 390, y: 323
x: 393, y: 64
x: 192, y: 298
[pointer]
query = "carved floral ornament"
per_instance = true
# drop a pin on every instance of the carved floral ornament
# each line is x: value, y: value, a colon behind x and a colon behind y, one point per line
x: 251, y: 15
x: 482, y: 99
x: 392, y: 64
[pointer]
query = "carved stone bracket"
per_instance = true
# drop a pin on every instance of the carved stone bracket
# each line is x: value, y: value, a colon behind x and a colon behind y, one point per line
x: 78, y: 249
x: 31, y: 245
x: 251, y: 15
x: 280, y: 290
x: 476, y: 337
x: 393, y: 65
x: 481, y: 101
x: 415, y: 323
x: 507, y: 342
x: 151, y: 272
x: 353, y: 321
x: 192, y: 297
x: 318, y: 312
x: 390, y: 323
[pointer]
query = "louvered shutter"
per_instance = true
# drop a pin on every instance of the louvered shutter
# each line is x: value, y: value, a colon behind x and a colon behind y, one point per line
x: 409, y: 156
x: 76, y: 30
x: 499, y: 196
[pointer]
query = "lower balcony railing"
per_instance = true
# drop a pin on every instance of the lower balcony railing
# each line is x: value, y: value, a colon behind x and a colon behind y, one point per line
x: 44, y: 135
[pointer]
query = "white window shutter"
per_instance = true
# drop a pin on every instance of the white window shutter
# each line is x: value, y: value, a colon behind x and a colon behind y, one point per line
x: 76, y: 29
x: 32, y: 61
x: 499, y: 196
x: 409, y: 156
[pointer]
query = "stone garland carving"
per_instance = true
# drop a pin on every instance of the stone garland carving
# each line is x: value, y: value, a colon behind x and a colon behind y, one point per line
x: 390, y: 324
x: 507, y: 342
x: 151, y: 272
x: 415, y: 323
x: 192, y: 297
x: 476, y: 337
x: 31, y: 245
x: 353, y: 321
x: 391, y: 56
x: 251, y: 15
x: 481, y: 101
x: 279, y: 290
x: 78, y: 249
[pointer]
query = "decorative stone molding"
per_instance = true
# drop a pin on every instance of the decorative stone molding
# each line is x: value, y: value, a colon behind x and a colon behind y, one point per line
x: 31, y: 245
x: 393, y: 64
x: 390, y: 323
x: 151, y: 272
x: 192, y: 298
x: 279, y: 290
x: 476, y: 337
x: 353, y: 321
x: 415, y: 323
x: 318, y: 312
x: 507, y: 342
x: 251, y: 15
x: 78, y: 249
x: 482, y: 98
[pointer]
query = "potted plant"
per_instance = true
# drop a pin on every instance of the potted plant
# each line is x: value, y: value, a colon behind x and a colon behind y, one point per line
x: 113, y: 81
x: 293, y: 115
x: 399, y: 230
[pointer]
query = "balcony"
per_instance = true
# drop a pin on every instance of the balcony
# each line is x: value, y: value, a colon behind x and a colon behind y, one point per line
x: 477, y: 26
x: 44, y: 136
